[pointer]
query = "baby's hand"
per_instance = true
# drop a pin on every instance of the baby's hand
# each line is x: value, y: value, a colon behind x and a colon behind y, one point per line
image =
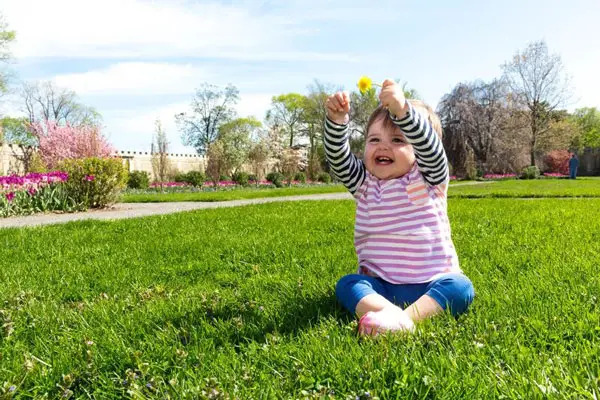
x: 338, y: 107
x: 392, y: 97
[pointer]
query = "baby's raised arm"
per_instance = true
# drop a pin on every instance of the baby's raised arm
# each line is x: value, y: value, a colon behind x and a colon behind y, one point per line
x: 427, y: 146
x: 345, y: 165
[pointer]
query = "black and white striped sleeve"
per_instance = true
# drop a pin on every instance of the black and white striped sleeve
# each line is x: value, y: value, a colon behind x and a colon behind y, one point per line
x: 345, y: 165
x: 428, y: 148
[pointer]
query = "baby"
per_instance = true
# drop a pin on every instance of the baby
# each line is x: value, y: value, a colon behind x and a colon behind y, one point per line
x: 407, y: 265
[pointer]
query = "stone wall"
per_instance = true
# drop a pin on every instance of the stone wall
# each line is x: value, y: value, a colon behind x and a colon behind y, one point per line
x: 8, y: 162
x: 133, y: 160
x: 142, y: 161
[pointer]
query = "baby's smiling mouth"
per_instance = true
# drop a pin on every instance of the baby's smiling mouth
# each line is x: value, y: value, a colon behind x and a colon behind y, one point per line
x: 383, y: 160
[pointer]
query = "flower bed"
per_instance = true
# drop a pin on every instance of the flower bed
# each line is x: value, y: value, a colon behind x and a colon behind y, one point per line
x: 499, y: 176
x: 35, y: 192
x: 554, y: 175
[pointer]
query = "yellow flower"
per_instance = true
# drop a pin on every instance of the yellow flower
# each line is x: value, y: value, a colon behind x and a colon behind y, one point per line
x: 364, y: 84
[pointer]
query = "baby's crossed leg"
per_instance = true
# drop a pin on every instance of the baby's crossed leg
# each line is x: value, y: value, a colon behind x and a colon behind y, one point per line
x: 378, y: 302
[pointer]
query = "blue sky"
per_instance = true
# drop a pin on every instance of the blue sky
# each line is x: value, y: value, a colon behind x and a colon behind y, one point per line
x: 136, y: 61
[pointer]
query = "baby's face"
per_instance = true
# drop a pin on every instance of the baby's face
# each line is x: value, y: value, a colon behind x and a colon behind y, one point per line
x: 387, y: 153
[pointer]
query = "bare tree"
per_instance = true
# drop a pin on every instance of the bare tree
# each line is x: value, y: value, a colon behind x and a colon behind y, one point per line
x: 482, y: 127
x: 160, y: 156
x: 44, y: 101
x: 218, y: 162
x: 258, y: 157
x: 539, y: 82
x: 314, y: 117
x: 211, y: 107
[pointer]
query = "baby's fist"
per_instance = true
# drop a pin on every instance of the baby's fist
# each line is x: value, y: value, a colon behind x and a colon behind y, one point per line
x: 392, y: 97
x: 338, y: 107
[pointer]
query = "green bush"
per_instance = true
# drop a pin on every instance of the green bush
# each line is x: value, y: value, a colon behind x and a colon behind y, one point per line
x: 324, y: 177
x: 531, y: 172
x: 252, y: 177
x: 195, y: 178
x: 180, y: 177
x: 138, y: 180
x: 276, y: 178
x: 224, y: 178
x: 300, y: 177
x: 94, y: 182
x: 241, y: 178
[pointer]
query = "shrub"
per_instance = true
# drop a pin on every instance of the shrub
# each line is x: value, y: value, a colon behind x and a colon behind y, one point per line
x: 300, y: 177
x: 531, y: 172
x: 253, y: 178
x: 195, y: 178
x: 558, y: 161
x: 180, y: 177
x: 241, y: 178
x: 138, y: 180
x: 276, y: 178
x: 94, y: 182
x: 224, y: 178
x: 324, y: 177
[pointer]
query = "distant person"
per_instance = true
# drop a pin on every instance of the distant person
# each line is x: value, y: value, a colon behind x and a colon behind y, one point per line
x: 407, y: 265
x: 573, y: 164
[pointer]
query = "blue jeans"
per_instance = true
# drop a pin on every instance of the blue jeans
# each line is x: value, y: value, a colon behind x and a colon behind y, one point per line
x: 452, y: 290
x: 573, y: 173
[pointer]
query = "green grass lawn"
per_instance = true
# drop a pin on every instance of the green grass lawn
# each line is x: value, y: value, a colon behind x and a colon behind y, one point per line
x: 580, y: 187
x: 237, y: 194
x: 239, y: 303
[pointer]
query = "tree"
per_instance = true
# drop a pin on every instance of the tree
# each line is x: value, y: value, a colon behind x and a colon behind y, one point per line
x: 211, y: 107
x: 258, y: 157
x: 235, y: 136
x: 57, y: 142
x: 538, y: 81
x: 217, y: 164
x: 160, y: 154
x: 290, y: 162
x: 588, y: 120
x: 474, y: 116
x: 6, y: 37
x: 43, y: 101
x: 562, y: 134
x: 287, y: 113
x: 314, y: 117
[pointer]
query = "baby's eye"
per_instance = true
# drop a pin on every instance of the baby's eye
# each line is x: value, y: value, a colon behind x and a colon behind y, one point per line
x: 374, y: 140
x: 398, y: 140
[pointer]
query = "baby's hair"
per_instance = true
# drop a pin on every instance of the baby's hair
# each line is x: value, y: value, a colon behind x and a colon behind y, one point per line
x: 421, y: 107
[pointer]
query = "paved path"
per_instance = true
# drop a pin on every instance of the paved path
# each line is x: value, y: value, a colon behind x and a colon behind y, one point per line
x: 134, y: 210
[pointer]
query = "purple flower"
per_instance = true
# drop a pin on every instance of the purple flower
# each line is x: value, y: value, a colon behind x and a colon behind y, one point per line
x: 10, y: 196
x: 12, y: 388
x: 32, y: 191
x: 90, y: 178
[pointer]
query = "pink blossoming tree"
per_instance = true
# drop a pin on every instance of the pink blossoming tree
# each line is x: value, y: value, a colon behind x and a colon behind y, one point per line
x: 59, y: 142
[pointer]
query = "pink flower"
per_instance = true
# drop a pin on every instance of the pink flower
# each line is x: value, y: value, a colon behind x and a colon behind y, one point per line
x: 10, y: 196
x: 90, y: 178
x: 32, y: 191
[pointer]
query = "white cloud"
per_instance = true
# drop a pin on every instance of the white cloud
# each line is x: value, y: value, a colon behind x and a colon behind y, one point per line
x: 140, y: 29
x: 254, y: 104
x: 135, y: 78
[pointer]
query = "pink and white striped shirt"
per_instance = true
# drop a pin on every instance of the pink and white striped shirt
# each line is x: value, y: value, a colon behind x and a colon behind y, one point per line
x: 402, y: 233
